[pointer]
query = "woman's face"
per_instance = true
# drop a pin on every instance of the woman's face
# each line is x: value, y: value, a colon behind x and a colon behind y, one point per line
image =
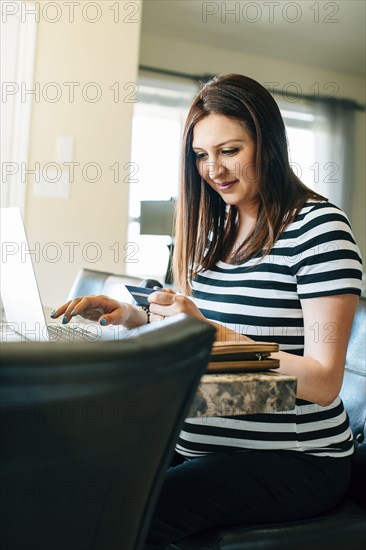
x: 225, y: 159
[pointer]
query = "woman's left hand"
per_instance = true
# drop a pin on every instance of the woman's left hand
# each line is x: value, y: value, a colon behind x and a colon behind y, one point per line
x: 166, y: 303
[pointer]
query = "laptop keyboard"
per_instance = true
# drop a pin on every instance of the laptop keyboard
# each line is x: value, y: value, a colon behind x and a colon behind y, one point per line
x: 71, y: 333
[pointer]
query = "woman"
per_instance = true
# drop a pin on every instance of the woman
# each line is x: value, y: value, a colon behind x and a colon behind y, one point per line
x: 258, y: 254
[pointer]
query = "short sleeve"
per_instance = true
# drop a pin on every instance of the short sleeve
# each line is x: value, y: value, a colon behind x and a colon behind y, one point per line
x: 326, y: 260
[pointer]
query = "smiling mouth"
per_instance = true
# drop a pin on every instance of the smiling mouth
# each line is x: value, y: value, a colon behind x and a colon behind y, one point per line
x: 227, y: 185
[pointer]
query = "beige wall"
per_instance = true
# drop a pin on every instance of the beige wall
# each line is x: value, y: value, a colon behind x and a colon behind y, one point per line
x: 196, y: 58
x: 104, y: 52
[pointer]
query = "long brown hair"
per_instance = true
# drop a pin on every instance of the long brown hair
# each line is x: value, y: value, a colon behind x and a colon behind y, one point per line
x: 205, y: 226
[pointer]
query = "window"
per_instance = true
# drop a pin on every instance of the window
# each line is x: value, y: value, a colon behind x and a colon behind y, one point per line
x: 320, y: 137
x: 301, y: 141
x: 17, y: 61
x: 157, y: 129
x: 301, y: 147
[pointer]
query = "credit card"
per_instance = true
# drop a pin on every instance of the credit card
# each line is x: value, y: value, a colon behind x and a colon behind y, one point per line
x: 140, y: 294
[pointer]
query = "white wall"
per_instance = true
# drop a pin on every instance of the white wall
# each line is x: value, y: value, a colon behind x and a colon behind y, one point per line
x: 190, y: 57
x: 105, y: 52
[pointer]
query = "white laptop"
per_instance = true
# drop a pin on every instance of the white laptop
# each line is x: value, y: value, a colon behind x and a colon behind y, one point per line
x: 20, y: 294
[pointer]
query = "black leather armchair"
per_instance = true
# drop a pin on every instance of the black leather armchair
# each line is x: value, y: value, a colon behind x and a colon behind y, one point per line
x: 340, y: 528
x: 88, y: 431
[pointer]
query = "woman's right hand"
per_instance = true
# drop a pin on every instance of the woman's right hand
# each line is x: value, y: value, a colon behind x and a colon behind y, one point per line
x: 102, y: 309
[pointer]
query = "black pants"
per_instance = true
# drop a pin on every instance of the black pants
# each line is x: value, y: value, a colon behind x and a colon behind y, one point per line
x: 245, y: 488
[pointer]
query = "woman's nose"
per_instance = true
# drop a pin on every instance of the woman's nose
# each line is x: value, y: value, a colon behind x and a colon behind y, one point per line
x: 214, y: 169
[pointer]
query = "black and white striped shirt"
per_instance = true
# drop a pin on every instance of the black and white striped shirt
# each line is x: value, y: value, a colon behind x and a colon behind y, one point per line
x: 315, y: 256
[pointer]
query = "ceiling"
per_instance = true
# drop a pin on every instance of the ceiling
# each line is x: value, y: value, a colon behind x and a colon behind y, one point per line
x: 318, y: 33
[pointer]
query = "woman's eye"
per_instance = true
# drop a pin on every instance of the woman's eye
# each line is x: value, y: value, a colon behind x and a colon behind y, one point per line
x: 230, y: 151
x: 233, y: 151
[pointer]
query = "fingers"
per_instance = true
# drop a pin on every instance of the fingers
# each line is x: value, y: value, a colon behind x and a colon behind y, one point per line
x: 158, y: 304
x: 164, y: 303
x: 156, y: 318
x: 117, y: 317
x: 73, y: 308
x: 82, y: 306
x: 164, y: 289
x: 94, y: 308
x: 164, y: 296
x: 57, y: 312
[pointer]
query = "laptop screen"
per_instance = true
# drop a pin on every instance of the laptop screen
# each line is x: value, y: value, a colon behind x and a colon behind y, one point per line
x: 19, y: 289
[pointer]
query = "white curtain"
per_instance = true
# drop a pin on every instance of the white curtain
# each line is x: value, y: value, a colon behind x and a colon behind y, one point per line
x: 322, y: 146
x: 17, y: 41
x: 333, y: 128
